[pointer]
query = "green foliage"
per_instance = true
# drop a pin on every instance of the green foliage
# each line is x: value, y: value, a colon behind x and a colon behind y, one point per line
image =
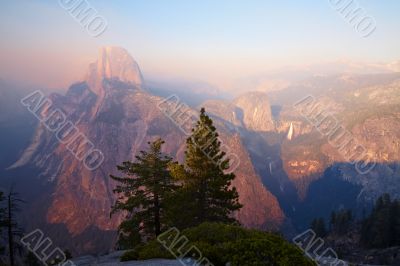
x: 203, y: 203
x: 153, y: 249
x: 150, y: 250
x: 56, y: 262
x: 67, y: 254
x: 129, y: 233
x: 264, y: 251
x: 206, y: 194
x: 221, y: 243
x: 318, y: 226
x: 341, y: 221
x: 32, y: 260
x: 130, y: 255
x: 382, y: 228
x: 179, y: 211
x: 239, y: 246
x: 142, y: 192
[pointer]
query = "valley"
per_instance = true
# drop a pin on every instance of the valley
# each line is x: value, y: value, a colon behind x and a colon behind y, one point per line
x: 283, y: 182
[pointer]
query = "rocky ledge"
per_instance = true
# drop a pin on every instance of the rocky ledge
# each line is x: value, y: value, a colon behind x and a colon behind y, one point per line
x: 113, y: 259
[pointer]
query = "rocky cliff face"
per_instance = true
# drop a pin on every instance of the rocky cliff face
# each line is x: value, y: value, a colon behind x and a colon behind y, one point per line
x: 381, y: 138
x: 114, y: 112
x: 113, y: 63
x: 111, y: 108
x: 255, y: 111
x: 261, y: 208
x: 371, y: 116
x: 225, y: 111
x: 250, y: 111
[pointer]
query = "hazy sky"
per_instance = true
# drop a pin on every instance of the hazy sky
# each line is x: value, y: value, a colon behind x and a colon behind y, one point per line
x: 215, y: 41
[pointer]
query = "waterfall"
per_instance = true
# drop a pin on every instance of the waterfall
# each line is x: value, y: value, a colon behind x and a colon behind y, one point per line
x: 290, y: 132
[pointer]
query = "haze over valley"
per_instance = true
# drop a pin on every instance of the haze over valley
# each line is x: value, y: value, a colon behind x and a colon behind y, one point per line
x: 308, y: 118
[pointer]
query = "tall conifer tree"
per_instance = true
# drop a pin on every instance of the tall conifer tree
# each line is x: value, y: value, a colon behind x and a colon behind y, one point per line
x: 142, y: 192
x: 2, y: 218
x: 14, y: 232
x: 208, y: 188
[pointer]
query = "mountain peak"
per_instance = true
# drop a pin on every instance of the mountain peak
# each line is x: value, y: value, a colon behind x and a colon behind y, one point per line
x: 113, y: 63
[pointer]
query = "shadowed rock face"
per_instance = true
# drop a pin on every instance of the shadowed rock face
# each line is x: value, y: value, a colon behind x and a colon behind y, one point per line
x: 371, y: 115
x: 368, y: 107
x: 256, y: 111
x: 225, y: 111
x: 250, y: 111
x: 261, y: 208
x: 113, y: 111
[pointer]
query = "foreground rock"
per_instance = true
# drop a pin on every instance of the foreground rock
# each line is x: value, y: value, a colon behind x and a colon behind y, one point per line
x: 113, y: 259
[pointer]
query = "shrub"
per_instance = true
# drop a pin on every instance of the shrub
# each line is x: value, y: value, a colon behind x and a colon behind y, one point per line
x: 150, y: 250
x: 130, y: 255
x: 221, y: 244
x: 255, y: 251
x: 153, y: 249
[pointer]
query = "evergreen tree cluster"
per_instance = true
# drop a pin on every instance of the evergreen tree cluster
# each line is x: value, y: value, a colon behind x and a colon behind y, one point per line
x: 319, y: 228
x: 382, y: 228
x: 9, y: 226
x: 156, y: 193
x: 341, y: 221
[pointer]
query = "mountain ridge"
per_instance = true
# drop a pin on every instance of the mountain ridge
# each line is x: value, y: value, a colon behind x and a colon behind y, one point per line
x: 120, y: 118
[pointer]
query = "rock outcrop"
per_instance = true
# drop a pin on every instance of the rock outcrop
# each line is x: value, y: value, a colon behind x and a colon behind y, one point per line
x: 256, y: 111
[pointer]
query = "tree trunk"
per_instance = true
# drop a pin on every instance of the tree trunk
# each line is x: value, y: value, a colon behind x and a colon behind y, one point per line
x: 157, y: 223
x: 10, y: 234
x: 202, y: 202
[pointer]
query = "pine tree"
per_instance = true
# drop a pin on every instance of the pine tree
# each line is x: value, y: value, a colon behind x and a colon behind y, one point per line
x: 318, y: 226
x: 142, y: 192
x: 13, y: 230
x: 382, y: 228
x: 67, y: 254
x: 332, y: 221
x: 396, y: 223
x: 209, y: 194
x: 32, y: 260
x: 341, y: 221
x: 2, y: 218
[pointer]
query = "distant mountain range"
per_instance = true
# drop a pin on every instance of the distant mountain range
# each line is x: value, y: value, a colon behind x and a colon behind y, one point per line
x: 283, y: 182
